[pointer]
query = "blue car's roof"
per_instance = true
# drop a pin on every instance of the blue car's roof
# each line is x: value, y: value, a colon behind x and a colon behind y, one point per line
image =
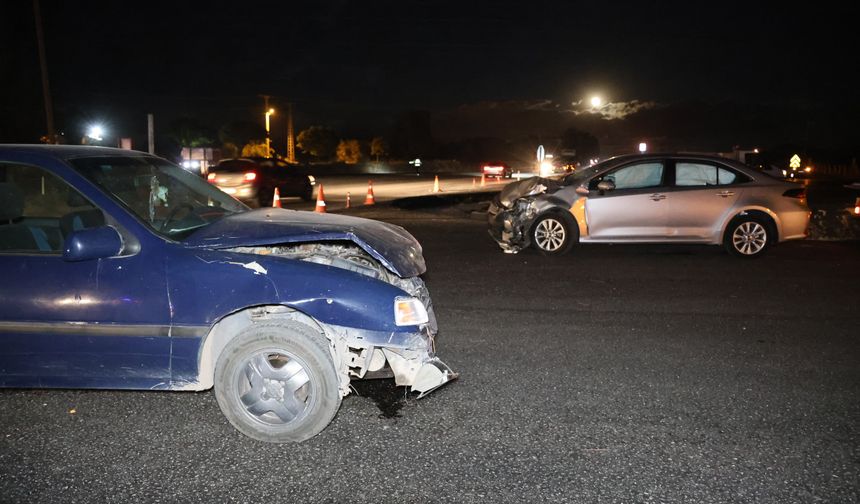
x: 68, y: 151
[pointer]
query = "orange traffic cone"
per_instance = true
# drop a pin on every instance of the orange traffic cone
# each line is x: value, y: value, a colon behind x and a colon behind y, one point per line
x: 320, y: 201
x: 276, y: 199
x: 483, y: 180
x: 436, y: 185
x: 474, y: 181
x: 347, y: 199
x: 369, y: 199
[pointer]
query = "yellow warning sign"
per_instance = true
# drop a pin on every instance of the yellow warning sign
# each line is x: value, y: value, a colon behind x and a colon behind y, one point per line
x: 794, y: 162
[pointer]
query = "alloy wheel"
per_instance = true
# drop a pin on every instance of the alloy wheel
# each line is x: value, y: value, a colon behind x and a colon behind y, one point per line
x: 749, y: 238
x: 274, y: 387
x: 550, y: 235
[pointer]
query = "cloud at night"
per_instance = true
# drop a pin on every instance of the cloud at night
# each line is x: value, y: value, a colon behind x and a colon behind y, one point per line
x: 612, y: 110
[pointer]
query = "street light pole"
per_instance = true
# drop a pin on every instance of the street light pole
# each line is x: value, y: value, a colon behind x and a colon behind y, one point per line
x: 268, y: 112
x: 268, y: 135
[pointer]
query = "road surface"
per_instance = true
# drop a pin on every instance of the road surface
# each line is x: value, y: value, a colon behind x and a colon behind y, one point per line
x: 614, y: 374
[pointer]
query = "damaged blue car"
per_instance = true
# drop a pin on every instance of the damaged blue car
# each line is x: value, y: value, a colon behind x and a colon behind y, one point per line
x: 123, y: 271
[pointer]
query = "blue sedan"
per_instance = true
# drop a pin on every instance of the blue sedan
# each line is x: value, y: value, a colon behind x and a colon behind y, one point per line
x: 123, y: 271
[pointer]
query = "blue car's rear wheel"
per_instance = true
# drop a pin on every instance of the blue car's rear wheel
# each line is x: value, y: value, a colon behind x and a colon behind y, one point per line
x: 276, y: 382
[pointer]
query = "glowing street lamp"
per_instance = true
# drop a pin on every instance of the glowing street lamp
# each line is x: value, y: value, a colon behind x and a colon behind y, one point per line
x: 268, y: 136
x: 643, y: 147
x: 95, y: 133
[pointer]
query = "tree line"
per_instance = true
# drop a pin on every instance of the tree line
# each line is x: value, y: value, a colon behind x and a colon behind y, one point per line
x: 410, y: 138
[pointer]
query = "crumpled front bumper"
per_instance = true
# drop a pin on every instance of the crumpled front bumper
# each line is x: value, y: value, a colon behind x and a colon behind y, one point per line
x: 510, y: 227
x: 410, y: 358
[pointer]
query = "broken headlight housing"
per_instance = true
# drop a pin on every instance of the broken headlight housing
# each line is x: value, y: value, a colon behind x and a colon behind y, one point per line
x: 409, y: 311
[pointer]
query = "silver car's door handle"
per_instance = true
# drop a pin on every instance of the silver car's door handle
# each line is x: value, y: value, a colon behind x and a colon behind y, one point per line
x: 726, y: 194
x: 657, y: 197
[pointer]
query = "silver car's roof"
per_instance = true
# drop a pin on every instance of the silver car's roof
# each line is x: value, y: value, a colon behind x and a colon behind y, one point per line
x: 692, y: 156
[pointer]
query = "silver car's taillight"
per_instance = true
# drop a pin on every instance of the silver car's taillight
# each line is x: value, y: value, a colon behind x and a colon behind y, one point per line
x: 799, y: 193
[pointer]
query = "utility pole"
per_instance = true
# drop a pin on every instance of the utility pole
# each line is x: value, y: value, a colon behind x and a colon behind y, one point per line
x: 43, y: 63
x: 291, y: 139
x: 150, y: 132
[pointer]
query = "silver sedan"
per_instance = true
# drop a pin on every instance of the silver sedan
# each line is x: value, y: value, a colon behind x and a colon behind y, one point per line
x: 651, y: 198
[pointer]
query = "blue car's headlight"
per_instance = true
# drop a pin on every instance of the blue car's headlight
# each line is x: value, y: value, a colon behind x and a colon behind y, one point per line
x: 409, y: 311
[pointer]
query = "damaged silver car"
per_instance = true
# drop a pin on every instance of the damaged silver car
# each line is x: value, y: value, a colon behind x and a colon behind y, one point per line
x: 651, y: 198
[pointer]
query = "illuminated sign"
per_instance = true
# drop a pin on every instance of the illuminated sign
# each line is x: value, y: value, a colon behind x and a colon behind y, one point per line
x: 794, y: 163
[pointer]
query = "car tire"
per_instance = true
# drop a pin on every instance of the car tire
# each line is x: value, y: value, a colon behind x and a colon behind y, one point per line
x: 554, y: 234
x: 748, y: 236
x: 276, y: 382
x: 265, y: 198
x: 308, y: 193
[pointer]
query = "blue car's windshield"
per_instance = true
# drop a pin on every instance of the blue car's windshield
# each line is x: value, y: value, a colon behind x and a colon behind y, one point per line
x: 168, y: 199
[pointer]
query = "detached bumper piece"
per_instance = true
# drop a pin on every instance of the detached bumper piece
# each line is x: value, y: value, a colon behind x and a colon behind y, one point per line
x: 421, y: 372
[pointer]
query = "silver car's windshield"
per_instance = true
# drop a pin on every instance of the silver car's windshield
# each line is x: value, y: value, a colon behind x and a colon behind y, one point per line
x: 168, y: 199
x: 583, y: 174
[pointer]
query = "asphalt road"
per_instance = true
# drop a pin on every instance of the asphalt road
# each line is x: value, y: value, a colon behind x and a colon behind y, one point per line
x: 615, y: 374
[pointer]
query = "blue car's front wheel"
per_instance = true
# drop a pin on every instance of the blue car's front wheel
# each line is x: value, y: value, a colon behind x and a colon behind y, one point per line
x: 276, y: 382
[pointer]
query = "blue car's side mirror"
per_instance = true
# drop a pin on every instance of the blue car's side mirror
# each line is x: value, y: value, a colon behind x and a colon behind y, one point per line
x: 94, y: 243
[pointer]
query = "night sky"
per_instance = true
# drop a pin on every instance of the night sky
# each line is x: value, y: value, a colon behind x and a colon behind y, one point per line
x: 689, y: 75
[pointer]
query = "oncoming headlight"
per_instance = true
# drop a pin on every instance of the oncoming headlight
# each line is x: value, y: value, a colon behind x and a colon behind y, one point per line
x: 409, y: 311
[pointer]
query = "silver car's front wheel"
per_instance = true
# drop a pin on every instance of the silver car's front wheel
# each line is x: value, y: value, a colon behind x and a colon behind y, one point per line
x: 276, y: 382
x: 553, y: 234
x: 747, y: 236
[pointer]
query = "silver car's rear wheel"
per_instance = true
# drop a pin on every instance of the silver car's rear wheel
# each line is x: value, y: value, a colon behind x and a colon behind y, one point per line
x: 747, y: 236
x: 553, y: 234
x: 276, y: 382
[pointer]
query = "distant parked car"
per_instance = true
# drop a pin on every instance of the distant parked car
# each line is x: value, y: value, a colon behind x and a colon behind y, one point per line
x: 855, y: 210
x: 651, y: 198
x: 253, y: 180
x: 124, y: 271
x: 496, y: 169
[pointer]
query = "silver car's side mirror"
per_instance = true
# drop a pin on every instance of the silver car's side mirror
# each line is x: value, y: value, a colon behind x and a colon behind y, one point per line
x: 582, y: 190
x: 606, y: 185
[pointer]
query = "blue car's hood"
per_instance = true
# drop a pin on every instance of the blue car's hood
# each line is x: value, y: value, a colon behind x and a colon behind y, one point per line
x: 392, y: 245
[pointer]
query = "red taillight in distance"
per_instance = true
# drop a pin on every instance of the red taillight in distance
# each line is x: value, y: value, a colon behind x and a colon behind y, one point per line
x: 210, y: 178
x: 250, y: 176
x: 799, y: 193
